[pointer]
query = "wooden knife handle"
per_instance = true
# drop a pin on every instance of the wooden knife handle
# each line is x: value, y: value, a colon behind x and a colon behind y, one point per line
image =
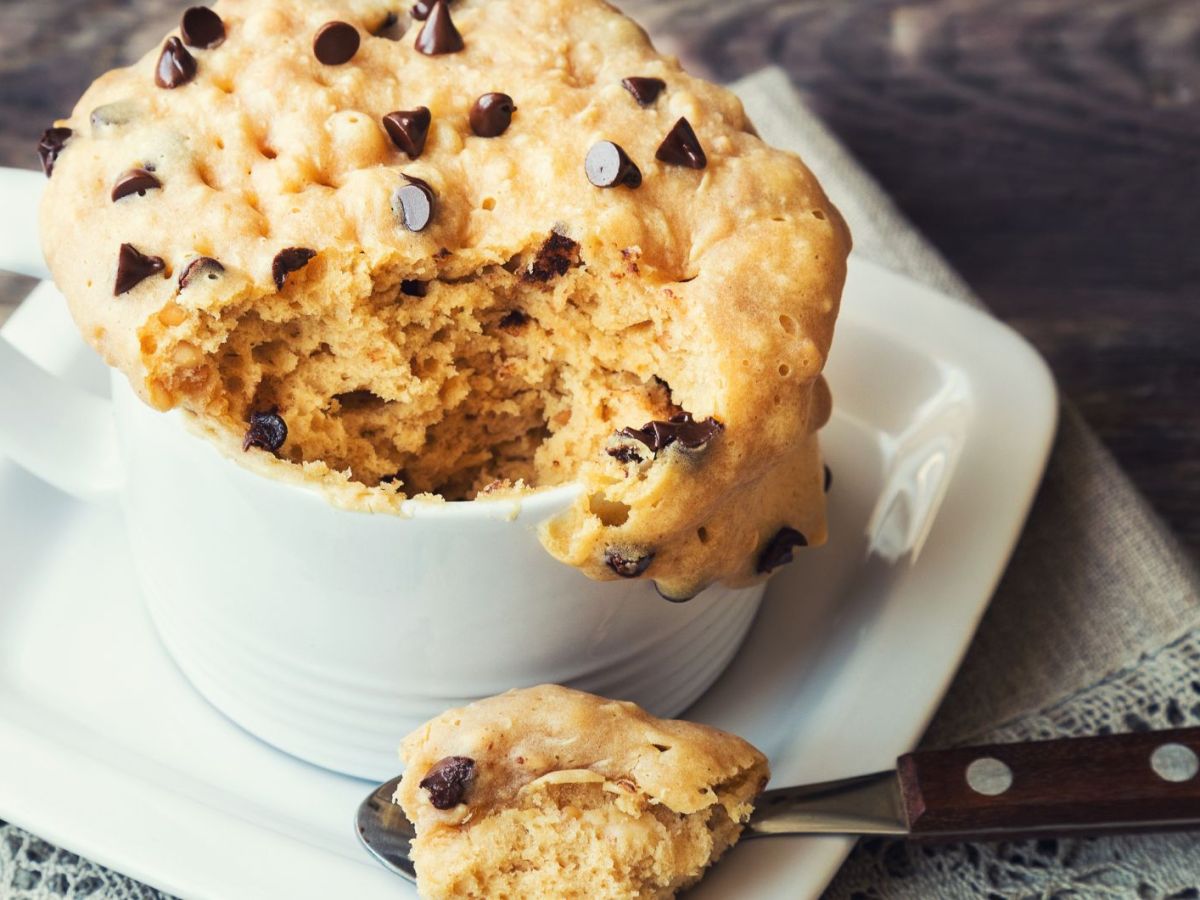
x: 1148, y: 781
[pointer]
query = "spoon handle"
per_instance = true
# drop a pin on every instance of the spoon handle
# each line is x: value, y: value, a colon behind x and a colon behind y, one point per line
x: 1148, y: 781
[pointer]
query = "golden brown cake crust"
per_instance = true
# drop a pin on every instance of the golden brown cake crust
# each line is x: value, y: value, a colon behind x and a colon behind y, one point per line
x: 606, y: 776
x: 528, y: 733
x: 708, y: 291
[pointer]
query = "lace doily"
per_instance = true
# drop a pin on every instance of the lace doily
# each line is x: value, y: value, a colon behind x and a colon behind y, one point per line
x: 32, y: 869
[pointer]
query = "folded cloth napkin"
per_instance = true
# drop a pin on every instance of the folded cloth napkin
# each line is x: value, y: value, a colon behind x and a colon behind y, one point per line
x: 1095, y: 627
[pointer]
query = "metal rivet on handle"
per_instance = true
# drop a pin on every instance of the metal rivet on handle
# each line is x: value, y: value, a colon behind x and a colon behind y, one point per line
x: 989, y: 776
x: 1175, y: 762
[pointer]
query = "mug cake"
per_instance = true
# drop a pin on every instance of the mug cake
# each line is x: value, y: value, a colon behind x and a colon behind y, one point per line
x: 475, y: 249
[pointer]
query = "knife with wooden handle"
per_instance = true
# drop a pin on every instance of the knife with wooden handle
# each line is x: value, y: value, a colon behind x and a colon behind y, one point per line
x: 1121, y: 783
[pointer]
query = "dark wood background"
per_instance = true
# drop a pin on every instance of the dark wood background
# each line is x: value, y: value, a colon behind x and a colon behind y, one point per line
x: 1049, y: 148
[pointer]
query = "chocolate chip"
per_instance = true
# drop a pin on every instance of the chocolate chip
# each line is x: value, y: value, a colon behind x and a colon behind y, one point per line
x: 828, y: 479
x: 447, y: 781
x: 389, y: 28
x: 413, y: 204
x: 554, y: 259
x: 335, y: 43
x: 778, y: 551
x: 492, y: 114
x: 682, y: 148
x: 645, y: 90
x: 514, y: 320
x: 133, y: 267
x: 176, y: 66
x: 421, y: 8
x: 287, y: 261
x: 201, y: 266
x: 438, y: 34
x: 628, y: 564
x: 50, y: 145
x: 680, y: 429
x: 414, y: 288
x: 607, y: 165
x: 624, y: 453
x: 134, y: 181
x: 408, y: 129
x: 202, y: 28
x: 267, y: 431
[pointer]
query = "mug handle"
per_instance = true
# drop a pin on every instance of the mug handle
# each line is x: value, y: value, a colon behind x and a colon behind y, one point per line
x: 61, y: 434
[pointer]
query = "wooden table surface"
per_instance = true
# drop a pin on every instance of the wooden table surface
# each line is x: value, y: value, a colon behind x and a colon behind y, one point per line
x: 1049, y: 148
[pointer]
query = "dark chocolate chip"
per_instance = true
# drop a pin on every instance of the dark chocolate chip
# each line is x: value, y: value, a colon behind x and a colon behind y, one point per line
x: 289, y: 260
x: 176, y: 66
x: 671, y: 599
x: 201, y: 266
x: 681, y: 147
x: 408, y: 129
x: 133, y: 267
x: 50, y: 145
x: 414, y: 288
x: 492, y: 114
x: 335, y: 43
x: 778, y: 551
x: 554, y: 259
x: 694, y: 435
x: 421, y: 9
x: 447, y: 781
x: 628, y: 564
x: 607, y: 165
x: 438, y: 34
x: 389, y: 28
x: 267, y: 431
x: 202, y: 28
x: 645, y: 90
x: 514, y: 320
x: 624, y: 453
x: 134, y: 181
x: 413, y: 204
x: 680, y: 429
x: 828, y: 479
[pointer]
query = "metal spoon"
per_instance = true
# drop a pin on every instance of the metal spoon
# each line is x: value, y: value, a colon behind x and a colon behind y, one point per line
x: 384, y: 830
x: 1131, y: 782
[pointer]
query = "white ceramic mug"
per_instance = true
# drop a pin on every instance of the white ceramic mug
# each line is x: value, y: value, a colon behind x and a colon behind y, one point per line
x: 329, y: 633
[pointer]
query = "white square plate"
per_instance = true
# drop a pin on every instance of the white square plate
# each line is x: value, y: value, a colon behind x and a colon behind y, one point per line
x: 943, y: 422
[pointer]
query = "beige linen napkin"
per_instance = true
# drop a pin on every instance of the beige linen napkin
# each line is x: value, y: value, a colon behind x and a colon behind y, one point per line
x: 1095, y: 626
